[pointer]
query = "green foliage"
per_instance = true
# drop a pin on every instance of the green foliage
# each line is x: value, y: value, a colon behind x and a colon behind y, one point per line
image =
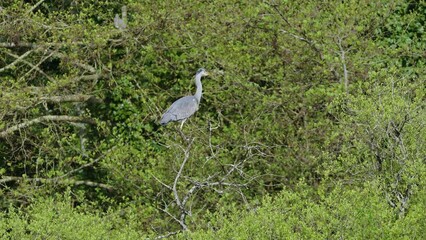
x: 56, y: 218
x: 312, y: 118
x: 346, y: 212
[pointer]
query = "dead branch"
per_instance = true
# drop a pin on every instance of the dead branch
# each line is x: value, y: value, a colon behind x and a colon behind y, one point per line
x: 297, y: 37
x: 35, y: 6
x: 32, y: 65
x: 93, y: 184
x: 343, y: 59
x: 71, y: 98
x: 86, y: 67
x: 76, y: 98
x: 175, y: 193
x: 6, y: 179
x: 36, y: 66
x: 14, y: 45
x: 54, y: 118
x: 183, y: 199
x: 167, y: 235
x: 19, y: 59
x: 43, y: 47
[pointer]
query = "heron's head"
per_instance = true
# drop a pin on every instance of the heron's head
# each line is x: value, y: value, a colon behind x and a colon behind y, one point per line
x: 202, y: 72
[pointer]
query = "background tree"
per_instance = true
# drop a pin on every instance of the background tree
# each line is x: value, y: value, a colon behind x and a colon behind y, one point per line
x: 311, y: 125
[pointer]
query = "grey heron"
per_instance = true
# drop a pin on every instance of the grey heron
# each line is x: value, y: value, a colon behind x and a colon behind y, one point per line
x: 185, y: 107
x: 121, y: 23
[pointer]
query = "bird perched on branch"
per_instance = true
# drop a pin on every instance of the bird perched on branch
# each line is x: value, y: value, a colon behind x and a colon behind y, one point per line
x: 121, y: 23
x: 185, y: 107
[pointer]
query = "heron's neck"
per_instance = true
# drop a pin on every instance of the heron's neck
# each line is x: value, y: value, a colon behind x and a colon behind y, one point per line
x: 199, y: 91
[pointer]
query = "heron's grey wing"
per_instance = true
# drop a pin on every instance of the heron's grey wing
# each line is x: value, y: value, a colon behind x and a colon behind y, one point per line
x: 181, y: 109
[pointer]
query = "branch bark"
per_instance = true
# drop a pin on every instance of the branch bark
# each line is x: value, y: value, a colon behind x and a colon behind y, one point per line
x: 35, y: 6
x: 36, y: 67
x: 71, y: 98
x: 174, y: 189
x: 54, y: 118
x: 183, y: 199
x: 343, y: 59
x: 19, y: 59
x: 6, y: 179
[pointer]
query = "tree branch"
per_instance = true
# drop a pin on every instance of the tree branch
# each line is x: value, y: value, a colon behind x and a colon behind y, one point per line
x: 43, y: 47
x: 6, y: 179
x: 71, y: 98
x: 77, y: 63
x: 182, y: 201
x: 167, y: 235
x: 175, y: 193
x: 55, y: 118
x: 35, y: 6
x: 20, y: 58
x: 20, y: 44
x: 32, y: 65
x: 343, y: 59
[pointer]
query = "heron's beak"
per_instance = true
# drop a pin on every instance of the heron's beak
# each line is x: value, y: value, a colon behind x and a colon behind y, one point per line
x: 206, y: 73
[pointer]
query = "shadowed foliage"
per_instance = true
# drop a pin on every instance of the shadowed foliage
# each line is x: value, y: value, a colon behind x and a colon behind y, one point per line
x: 311, y: 124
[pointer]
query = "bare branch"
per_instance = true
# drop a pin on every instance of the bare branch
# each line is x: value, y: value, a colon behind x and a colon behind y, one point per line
x: 20, y: 44
x: 35, y: 6
x: 55, y: 118
x: 175, y: 193
x: 71, y: 98
x: 297, y: 37
x: 183, y: 199
x: 161, y: 182
x: 36, y: 66
x: 93, y: 184
x: 6, y: 179
x: 32, y: 65
x: 171, y: 215
x: 86, y: 67
x: 95, y: 76
x: 343, y: 59
x: 41, y: 47
x: 167, y: 235
x: 121, y: 23
x: 19, y: 59
x: 275, y: 7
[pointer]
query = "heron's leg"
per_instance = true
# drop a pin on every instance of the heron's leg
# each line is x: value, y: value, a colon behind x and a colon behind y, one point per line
x: 180, y: 131
x: 181, y: 125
